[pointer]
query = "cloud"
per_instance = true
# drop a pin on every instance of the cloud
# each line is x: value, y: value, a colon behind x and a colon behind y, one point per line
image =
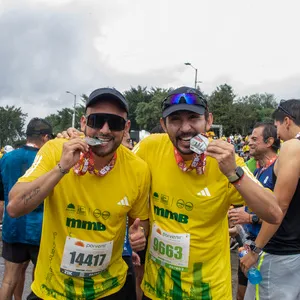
x: 50, y: 46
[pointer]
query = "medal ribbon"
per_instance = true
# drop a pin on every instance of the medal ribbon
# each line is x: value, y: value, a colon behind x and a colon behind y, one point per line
x: 198, y: 162
x: 86, y: 163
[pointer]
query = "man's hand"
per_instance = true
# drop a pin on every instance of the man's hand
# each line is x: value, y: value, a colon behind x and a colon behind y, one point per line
x: 249, y: 260
x: 137, y: 237
x: 136, y: 259
x: 224, y: 153
x: 71, y: 152
x: 239, y: 216
x: 70, y: 133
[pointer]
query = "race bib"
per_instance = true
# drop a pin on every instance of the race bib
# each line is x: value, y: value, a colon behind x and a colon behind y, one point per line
x: 85, y: 259
x: 170, y: 249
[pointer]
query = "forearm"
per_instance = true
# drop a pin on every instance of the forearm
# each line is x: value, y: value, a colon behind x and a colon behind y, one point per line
x: 260, y: 200
x: 265, y: 234
x: 25, y: 197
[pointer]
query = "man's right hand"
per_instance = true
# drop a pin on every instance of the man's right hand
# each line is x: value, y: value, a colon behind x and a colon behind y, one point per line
x: 71, y: 152
x: 70, y: 133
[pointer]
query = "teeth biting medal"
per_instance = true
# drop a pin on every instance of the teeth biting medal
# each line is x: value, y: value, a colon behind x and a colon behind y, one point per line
x: 199, y: 144
x: 93, y: 141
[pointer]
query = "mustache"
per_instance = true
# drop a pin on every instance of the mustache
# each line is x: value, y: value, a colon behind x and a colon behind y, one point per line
x: 185, y: 135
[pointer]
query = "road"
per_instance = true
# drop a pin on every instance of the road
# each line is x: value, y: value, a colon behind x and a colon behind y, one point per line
x: 234, y: 266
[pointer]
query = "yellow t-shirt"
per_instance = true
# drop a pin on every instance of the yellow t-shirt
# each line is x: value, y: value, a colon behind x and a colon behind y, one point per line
x: 89, y: 213
x: 188, y: 249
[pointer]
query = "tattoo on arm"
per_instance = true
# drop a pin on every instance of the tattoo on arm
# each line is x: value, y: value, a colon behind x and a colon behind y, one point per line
x: 32, y: 194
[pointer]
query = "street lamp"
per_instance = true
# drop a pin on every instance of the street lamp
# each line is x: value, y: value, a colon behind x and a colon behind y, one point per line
x: 196, y: 73
x: 74, y: 108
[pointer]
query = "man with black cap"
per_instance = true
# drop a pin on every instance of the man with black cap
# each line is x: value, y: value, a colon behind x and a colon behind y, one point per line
x: 188, y: 247
x: 21, y: 237
x: 90, y: 184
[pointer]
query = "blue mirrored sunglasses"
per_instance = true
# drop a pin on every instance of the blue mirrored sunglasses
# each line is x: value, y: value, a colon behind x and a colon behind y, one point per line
x: 184, y: 98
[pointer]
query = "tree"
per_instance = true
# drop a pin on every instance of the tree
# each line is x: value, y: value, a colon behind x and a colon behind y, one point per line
x: 220, y: 104
x: 149, y: 113
x: 63, y: 118
x: 12, y: 121
x: 135, y: 96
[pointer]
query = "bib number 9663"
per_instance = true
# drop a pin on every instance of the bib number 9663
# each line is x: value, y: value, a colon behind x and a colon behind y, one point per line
x: 169, y: 250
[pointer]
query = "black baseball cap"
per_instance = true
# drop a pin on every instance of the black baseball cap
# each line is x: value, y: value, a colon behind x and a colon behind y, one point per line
x: 37, y: 126
x: 106, y: 94
x: 184, y: 98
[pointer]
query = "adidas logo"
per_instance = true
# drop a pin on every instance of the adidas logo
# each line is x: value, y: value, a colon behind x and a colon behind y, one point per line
x: 124, y: 202
x: 204, y: 192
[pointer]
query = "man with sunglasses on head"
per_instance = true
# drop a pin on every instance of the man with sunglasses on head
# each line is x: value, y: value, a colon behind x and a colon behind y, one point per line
x: 277, y: 247
x: 188, y: 248
x: 90, y: 186
x: 21, y: 236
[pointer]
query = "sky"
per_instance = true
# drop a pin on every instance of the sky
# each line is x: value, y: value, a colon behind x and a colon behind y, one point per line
x: 48, y: 47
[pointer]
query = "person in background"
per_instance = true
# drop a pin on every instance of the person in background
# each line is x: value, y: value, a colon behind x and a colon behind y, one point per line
x: 21, y: 236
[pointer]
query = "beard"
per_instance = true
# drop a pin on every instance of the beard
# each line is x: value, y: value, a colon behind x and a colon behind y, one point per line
x: 108, y: 147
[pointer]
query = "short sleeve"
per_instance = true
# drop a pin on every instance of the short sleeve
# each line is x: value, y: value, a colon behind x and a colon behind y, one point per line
x: 43, y: 163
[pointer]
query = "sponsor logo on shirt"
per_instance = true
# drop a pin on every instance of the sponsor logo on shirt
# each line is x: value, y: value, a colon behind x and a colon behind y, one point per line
x: 165, y: 213
x: 87, y: 225
x: 124, y: 202
x: 205, y: 192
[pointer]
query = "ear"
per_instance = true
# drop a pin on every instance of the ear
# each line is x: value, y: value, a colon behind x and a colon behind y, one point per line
x: 163, y: 125
x: 127, y: 126
x: 83, y: 123
x: 270, y: 141
x: 209, y: 122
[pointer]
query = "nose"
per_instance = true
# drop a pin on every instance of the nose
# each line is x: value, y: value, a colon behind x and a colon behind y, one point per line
x: 105, y: 129
x: 185, y: 126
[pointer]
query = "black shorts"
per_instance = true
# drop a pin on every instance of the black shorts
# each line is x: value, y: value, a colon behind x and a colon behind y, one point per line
x: 127, y: 292
x: 19, y: 253
x: 242, y: 279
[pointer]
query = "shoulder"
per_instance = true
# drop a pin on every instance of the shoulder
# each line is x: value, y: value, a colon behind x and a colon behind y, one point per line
x: 128, y: 157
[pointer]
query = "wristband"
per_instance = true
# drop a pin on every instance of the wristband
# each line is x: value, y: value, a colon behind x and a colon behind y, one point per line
x: 62, y: 171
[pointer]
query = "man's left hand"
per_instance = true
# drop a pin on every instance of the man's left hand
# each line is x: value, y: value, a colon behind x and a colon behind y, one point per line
x: 224, y: 153
x: 137, y: 237
x: 249, y: 260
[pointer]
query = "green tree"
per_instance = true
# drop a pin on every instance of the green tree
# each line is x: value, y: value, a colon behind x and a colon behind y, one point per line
x: 135, y: 96
x: 12, y: 121
x: 149, y: 113
x: 63, y: 118
x: 220, y: 103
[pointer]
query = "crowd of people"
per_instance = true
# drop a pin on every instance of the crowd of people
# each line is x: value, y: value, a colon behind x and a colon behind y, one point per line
x: 100, y: 219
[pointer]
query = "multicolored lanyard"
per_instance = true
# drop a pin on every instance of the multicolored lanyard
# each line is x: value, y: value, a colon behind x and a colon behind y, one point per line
x: 262, y: 169
x: 198, y: 162
x: 86, y: 163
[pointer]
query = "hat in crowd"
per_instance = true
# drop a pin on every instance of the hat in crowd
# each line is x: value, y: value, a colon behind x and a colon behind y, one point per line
x: 107, y: 94
x: 7, y: 149
x: 184, y: 98
x: 38, y: 126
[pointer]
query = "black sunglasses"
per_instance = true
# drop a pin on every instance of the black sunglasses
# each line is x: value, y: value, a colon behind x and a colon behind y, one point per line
x: 97, y: 121
x: 284, y: 110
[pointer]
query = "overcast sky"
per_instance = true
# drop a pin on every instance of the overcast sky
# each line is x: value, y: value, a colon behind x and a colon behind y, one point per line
x: 50, y: 46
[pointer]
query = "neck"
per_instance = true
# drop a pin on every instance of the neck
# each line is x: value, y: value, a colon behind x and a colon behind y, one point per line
x: 266, y: 158
x: 36, y: 144
x: 102, y: 161
x: 294, y: 131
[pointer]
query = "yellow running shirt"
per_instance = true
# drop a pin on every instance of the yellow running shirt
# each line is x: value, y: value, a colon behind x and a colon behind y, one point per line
x: 84, y: 225
x: 188, y: 249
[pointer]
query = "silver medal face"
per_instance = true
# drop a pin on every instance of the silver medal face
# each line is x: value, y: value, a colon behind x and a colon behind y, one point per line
x: 93, y: 141
x: 199, y: 144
